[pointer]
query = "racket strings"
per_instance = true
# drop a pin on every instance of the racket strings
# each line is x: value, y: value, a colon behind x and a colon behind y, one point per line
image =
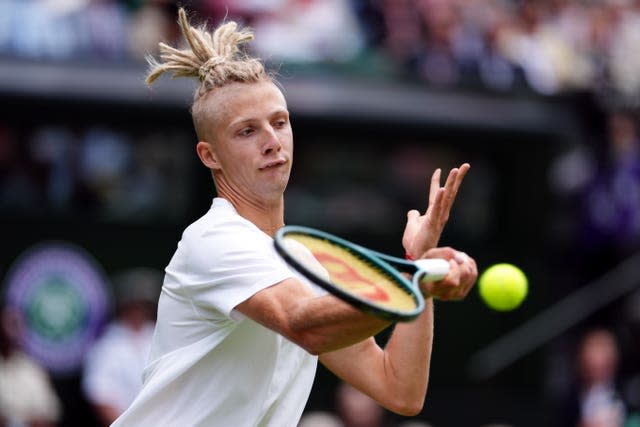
x: 357, y: 274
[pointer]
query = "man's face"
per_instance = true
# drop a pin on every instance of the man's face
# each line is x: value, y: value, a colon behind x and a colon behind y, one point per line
x: 252, y: 141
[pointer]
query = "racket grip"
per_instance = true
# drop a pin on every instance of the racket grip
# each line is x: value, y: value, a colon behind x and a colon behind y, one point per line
x: 433, y: 269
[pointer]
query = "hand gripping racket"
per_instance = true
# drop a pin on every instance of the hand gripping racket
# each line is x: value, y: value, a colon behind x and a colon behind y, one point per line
x: 369, y: 280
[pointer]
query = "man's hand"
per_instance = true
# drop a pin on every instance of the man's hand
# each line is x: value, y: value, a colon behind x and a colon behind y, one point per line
x: 422, y: 232
x: 463, y: 273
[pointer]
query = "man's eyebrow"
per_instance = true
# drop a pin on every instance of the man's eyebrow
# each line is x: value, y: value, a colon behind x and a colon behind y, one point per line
x: 241, y: 121
x: 277, y: 112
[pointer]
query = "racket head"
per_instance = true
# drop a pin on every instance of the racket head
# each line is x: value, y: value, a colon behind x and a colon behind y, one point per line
x: 355, y: 275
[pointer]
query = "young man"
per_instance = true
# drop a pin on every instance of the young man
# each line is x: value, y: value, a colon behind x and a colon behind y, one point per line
x: 239, y: 334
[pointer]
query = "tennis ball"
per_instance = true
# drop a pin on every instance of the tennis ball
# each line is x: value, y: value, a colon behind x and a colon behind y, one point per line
x: 503, y: 287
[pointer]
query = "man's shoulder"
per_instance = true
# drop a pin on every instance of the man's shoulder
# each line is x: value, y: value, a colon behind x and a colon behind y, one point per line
x: 222, y: 231
x: 218, y: 223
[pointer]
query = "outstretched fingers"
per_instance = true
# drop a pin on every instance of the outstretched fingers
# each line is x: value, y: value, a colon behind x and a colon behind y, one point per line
x: 434, y: 187
x: 454, y: 181
x: 441, y: 198
x: 422, y: 232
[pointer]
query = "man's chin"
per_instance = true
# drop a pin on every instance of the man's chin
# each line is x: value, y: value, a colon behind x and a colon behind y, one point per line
x: 274, y: 191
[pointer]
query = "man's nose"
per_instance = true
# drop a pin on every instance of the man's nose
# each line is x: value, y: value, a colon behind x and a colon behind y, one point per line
x: 272, y: 142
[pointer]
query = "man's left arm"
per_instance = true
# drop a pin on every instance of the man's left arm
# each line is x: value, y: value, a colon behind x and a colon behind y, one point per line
x: 397, y: 376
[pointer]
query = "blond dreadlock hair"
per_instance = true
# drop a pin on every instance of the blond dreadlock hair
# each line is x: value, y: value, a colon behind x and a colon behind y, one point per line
x: 214, y: 58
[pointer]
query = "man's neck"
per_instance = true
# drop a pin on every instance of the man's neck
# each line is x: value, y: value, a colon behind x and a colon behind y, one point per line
x: 268, y: 217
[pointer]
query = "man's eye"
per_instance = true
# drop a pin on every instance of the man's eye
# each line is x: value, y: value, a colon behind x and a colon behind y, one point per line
x: 246, y: 131
x: 280, y: 123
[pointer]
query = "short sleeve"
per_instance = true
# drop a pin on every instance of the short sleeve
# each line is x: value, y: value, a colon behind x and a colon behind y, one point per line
x: 228, y: 263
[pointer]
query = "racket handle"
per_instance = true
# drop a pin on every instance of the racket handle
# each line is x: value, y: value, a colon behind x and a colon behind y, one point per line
x: 433, y: 269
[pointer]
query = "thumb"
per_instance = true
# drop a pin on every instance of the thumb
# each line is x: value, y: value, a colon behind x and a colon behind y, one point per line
x: 412, y: 215
x: 410, y: 228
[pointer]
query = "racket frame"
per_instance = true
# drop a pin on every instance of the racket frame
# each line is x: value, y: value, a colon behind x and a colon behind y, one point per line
x: 381, y: 261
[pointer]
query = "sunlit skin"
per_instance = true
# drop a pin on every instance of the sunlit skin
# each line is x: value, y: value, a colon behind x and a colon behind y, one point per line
x: 251, y: 154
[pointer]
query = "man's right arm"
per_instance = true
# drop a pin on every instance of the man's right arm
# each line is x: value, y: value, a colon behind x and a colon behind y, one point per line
x: 318, y: 324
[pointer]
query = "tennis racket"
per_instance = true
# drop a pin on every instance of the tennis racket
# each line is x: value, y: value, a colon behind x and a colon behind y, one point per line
x: 369, y: 280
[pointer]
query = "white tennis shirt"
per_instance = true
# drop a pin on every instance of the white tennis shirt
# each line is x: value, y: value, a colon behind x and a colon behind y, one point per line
x: 209, y: 365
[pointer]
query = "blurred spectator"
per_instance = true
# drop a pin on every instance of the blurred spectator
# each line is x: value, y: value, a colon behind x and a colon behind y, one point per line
x: 533, y: 42
x: 103, y: 29
x: 629, y: 324
x: 437, y: 62
x: 27, y: 397
x: 355, y: 409
x: 478, y: 50
x: 151, y: 22
x: 352, y: 409
x: 113, y: 367
x: 17, y: 190
x: 315, y: 30
x: 603, y: 181
x: 594, y: 399
x: 104, y: 157
x: 320, y: 419
x: 624, y: 61
x: 402, y: 30
x: 51, y: 154
x: 611, y: 201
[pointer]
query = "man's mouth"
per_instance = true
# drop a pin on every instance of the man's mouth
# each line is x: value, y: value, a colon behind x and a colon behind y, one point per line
x: 274, y: 163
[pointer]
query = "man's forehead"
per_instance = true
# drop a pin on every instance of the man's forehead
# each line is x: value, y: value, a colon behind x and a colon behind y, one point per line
x: 242, y: 101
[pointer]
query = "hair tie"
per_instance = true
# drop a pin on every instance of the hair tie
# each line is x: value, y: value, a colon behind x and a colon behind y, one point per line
x: 209, y: 65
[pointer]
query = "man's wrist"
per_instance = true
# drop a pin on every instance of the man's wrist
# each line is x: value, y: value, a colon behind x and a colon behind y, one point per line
x: 425, y: 292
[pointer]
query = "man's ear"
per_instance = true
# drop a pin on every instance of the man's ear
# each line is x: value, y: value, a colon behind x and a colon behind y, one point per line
x: 207, y: 155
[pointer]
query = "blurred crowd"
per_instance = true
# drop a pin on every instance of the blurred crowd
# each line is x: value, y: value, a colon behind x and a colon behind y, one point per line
x: 64, y: 168
x: 598, y: 187
x: 548, y: 46
x: 598, y: 184
x: 553, y: 45
x: 84, y: 30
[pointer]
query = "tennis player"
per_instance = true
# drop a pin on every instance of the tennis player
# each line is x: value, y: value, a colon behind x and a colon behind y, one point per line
x: 239, y: 334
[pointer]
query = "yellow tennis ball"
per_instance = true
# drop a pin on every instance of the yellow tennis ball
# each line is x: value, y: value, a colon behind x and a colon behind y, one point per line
x: 503, y: 287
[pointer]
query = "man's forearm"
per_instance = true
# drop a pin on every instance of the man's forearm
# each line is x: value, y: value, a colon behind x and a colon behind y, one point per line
x: 408, y: 356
